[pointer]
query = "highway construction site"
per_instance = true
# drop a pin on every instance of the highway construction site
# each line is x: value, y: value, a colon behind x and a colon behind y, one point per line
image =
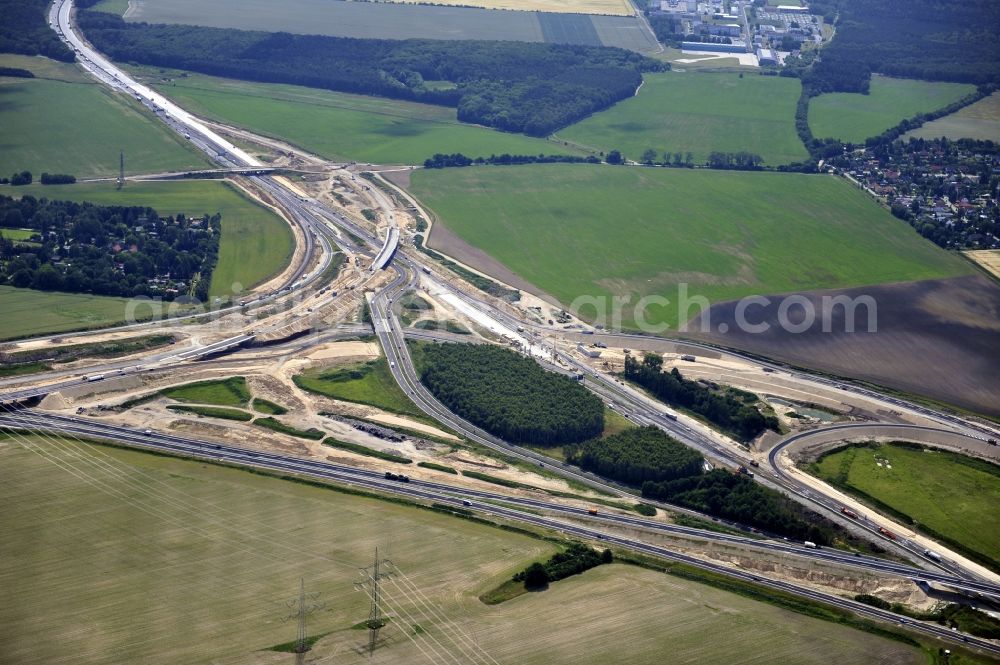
x: 342, y: 302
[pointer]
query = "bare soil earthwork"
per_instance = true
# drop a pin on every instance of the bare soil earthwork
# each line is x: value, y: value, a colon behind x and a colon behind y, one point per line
x: 937, y: 338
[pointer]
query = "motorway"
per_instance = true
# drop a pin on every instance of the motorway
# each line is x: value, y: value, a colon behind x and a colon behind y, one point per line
x: 484, y: 502
x: 321, y: 227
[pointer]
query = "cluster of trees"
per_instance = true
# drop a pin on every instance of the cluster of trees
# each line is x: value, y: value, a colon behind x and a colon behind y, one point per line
x: 732, y: 411
x: 58, y: 179
x: 25, y: 30
x: 637, y: 455
x: 511, y: 396
x: 928, y: 39
x: 511, y: 86
x: 737, y: 497
x: 20, y: 178
x: 576, y: 559
x: 668, y: 29
x: 440, y: 161
x: 16, y: 72
x: 107, y: 250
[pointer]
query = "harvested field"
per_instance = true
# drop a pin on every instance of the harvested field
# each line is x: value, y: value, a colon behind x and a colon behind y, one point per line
x: 988, y: 259
x: 979, y: 121
x: 389, y: 20
x: 610, y: 7
x: 937, y: 338
x: 569, y: 29
x: 160, y: 579
x: 628, y: 33
x: 373, y: 20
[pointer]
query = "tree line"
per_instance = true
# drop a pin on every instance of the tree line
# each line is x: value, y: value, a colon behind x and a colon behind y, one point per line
x: 440, y: 161
x: 532, y: 88
x: 637, y: 455
x: 733, y: 411
x: 25, y: 30
x: 107, y: 250
x: 509, y: 395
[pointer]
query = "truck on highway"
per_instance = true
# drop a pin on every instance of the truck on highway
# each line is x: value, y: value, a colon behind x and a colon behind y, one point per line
x: 811, y: 545
x: 742, y: 470
x: 885, y: 532
x: 688, y: 357
x: 592, y: 511
x: 389, y: 475
x: 849, y: 513
x: 932, y: 555
x: 94, y: 377
x: 392, y: 364
x: 669, y: 416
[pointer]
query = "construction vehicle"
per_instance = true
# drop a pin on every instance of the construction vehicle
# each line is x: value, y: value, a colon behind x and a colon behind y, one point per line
x: 849, y: 513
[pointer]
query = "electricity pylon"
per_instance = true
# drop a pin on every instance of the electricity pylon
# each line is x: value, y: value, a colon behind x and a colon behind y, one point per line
x: 372, y: 575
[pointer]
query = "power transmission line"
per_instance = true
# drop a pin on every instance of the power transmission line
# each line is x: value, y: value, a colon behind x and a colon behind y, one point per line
x: 303, y: 607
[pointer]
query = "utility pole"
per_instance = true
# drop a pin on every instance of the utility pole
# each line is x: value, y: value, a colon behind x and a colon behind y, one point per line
x: 372, y: 575
x: 302, y: 607
x: 121, y: 169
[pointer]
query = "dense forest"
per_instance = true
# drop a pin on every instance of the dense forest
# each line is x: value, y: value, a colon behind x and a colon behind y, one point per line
x: 927, y: 39
x: 667, y: 470
x: 737, y: 497
x: 509, y: 395
x: 511, y: 86
x: 25, y: 30
x: 733, y: 411
x: 637, y: 455
x: 106, y: 250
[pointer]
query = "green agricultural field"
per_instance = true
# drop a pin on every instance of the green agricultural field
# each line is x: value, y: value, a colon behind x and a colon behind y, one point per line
x: 979, y: 121
x: 343, y: 126
x: 118, y: 7
x: 574, y: 230
x: 63, y: 123
x: 854, y: 117
x: 367, y: 383
x: 17, y: 234
x: 226, y: 392
x: 699, y: 113
x: 25, y: 313
x: 948, y: 494
x: 256, y: 244
x: 158, y: 578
